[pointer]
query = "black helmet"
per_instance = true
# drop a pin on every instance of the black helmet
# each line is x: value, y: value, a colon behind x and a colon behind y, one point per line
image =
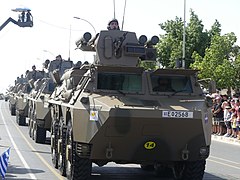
x: 113, y: 20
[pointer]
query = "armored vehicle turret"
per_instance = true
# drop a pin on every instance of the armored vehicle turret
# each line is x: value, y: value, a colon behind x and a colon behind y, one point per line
x: 115, y: 111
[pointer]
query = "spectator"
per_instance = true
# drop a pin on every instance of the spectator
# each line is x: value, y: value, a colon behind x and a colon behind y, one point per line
x: 234, y: 125
x: 218, y: 115
x: 227, y: 120
x: 214, y: 121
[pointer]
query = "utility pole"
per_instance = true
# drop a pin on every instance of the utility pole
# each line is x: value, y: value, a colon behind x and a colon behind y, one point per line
x: 184, y: 36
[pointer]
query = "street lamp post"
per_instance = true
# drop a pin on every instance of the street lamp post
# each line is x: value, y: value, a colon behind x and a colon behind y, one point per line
x: 184, y: 36
x: 87, y: 22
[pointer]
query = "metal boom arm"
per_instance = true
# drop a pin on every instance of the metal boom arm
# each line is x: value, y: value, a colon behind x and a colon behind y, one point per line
x: 8, y: 21
x: 20, y: 24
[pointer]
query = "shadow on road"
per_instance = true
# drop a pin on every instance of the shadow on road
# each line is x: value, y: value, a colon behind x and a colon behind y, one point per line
x: 15, y: 171
x: 134, y: 173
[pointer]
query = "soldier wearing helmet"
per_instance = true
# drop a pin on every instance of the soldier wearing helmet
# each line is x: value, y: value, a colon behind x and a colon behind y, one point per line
x: 113, y: 25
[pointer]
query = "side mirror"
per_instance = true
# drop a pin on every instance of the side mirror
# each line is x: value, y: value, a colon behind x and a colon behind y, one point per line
x: 209, y: 101
x: 212, y: 86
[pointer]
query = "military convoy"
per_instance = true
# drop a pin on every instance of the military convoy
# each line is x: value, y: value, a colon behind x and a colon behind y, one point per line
x: 113, y: 110
x: 39, y: 112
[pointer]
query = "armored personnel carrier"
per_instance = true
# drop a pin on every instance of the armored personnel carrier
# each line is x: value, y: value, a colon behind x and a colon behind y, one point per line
x: 12, y: 97
x: 115, y: 111
x: 39, y: 112
x: 22, y: 104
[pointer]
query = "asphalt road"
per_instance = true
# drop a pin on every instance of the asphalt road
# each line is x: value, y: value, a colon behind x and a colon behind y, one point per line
x: 29, y: 160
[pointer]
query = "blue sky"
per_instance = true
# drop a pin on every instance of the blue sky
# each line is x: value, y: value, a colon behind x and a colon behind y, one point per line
x: 55, y: 30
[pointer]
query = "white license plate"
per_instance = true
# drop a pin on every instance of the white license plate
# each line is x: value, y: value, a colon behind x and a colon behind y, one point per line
x: 177, y: 114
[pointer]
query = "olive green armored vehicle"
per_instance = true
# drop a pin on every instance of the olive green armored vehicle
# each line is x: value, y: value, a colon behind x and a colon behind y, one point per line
x: 13, y: 93
x: 21, y: 99
x: 39, y: 112
x: 115, y: 111
x: 22, y: 104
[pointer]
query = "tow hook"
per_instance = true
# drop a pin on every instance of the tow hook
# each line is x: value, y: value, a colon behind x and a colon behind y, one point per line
x: 185, y: 153
x: 109, y: 151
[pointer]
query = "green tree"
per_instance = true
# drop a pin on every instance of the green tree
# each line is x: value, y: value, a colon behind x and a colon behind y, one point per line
x: 215, y: 56
x: 169, y: 48
x: 218, y: 62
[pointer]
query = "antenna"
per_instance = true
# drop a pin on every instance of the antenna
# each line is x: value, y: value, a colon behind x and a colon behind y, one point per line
x: 69, y: 48
x: 124, y: 13
x: 114, y: 16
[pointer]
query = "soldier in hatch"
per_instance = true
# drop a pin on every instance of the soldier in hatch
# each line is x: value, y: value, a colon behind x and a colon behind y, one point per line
x: 113, y: 25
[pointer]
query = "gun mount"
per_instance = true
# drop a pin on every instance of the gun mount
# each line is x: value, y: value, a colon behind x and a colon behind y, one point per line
x: 118, y: 48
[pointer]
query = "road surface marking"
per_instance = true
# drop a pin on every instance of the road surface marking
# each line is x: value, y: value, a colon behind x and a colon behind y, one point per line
x: 39, y: 156
x: 224, y: 160
x: 17, y: 150
x: 225, y: 164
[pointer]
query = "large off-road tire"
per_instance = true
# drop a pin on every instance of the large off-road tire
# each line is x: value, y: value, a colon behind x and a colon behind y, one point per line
x: 20, y: 119
x: 39, y: 134
x: 194, y: 170
x: 189, y: 170
x: 13, y: 110
x: 30, y: 127
x: 77, y: 168
x: 30, y: 113
x: 163, y: 171
x: 62, y: 154
x: 147, y: 167
x: 54, y: 141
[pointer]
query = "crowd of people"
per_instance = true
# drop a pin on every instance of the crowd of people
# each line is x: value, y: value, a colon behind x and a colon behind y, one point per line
x: 226, y: 116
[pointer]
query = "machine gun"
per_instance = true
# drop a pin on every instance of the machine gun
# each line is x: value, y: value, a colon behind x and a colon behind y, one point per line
x: 119, y: 48
x: 25, y: 18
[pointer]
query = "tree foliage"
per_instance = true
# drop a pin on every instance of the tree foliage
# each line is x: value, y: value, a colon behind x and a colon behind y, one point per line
x: 215, y: 56
x: 169, y: 48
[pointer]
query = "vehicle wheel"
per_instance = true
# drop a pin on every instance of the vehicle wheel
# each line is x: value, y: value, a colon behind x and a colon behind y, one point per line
x: 30, y: 113
x: 62, y: 154
x: 39, y: 134
x: 54, y: 141
x: 147, y: 167
x: 194, y: 170
x: 77, y: 168
x: 17, y: 117
x: 30, y: 127
x: 13, y: 111
x: 21, y: 120
x: 163, y: 171
x: 33, y: 124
